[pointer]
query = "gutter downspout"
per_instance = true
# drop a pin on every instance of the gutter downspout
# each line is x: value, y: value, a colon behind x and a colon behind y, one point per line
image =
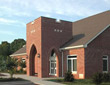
x: 62, y: 63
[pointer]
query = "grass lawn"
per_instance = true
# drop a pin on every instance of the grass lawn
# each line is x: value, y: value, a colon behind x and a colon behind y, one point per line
x: 11, y: 79
x: 77, y: 82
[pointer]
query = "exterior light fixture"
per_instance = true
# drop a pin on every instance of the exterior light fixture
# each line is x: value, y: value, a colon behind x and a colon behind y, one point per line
x: 27, y: 56
x: 38, y: 55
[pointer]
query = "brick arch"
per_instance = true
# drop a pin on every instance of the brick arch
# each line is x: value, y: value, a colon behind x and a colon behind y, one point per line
x: 33, y: 52
x: 57, y: 62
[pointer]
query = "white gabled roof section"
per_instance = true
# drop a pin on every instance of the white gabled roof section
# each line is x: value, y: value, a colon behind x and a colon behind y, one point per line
x: 84, y: 46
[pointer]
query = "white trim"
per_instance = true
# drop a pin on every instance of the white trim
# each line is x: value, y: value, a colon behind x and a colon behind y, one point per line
x: 18, y: 54
x: 107, y: 63
x: 73, y: 72
x: 72, y: 47
x: 97, y: 35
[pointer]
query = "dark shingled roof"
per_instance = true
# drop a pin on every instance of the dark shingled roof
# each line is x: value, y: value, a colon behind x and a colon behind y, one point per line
x: 20, y: 51
x: 86, y: 29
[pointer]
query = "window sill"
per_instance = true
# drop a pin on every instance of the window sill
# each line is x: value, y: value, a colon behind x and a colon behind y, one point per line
x: 74, y: 72
x: 52, y: 74
x: 105, y: 71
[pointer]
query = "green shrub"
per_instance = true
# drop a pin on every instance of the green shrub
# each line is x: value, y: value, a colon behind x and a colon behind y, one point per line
x: 21, y: 71
x: 69, y: 77
x: 97, y: 78
x: 106, y: 77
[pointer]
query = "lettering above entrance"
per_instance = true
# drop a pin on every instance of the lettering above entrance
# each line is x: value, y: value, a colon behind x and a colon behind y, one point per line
x: 32, y: 31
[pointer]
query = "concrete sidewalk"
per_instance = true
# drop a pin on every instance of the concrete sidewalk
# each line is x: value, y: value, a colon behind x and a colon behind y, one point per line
x: 35, y: 80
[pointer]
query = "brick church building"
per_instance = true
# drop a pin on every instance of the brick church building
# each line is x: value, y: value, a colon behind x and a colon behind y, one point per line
x: 56, y: 46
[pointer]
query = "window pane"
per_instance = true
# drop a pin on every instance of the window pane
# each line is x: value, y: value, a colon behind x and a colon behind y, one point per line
x: 69, y: 65
x: 52, y: 65
x: 74, y: 65
x: 52, y: 71
x: 55, y: 71
x: 104, y: 65
x: 55, y: 65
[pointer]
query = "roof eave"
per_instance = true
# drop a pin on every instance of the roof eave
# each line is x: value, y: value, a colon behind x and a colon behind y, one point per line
x: 21, y: 54
x: 73, y: 47
x: 84, y: 46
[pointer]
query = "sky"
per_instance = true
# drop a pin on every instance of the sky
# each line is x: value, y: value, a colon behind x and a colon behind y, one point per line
x: 15, y: 14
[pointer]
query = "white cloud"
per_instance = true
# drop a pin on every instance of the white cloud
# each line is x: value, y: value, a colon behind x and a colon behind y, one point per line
x: 63, y: 7
x: 2, y: 20
x: 11, y: 22
x: 6, y: 32
x: 8, y: 11
x: 107, y: 1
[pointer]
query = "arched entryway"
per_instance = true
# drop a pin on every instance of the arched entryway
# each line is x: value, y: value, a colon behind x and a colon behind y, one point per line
x: 32, y: 59
x: 54, y: 64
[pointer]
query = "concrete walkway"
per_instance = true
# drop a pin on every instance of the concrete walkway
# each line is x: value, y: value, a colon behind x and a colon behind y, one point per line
x: 32, y: 79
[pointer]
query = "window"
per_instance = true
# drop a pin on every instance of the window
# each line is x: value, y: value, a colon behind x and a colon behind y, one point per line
x: 105, y: 63
x: 72, y: 64
x: 23, y: 60
x: 53, y: 63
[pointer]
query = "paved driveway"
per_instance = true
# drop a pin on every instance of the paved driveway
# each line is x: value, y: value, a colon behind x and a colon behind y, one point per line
x: 32, y: 81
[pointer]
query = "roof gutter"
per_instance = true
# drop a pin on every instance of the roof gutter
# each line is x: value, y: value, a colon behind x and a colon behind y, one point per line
x: 73, y: 47
x: 18, y: 54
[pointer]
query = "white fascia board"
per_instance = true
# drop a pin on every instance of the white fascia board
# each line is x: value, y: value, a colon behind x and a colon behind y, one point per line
x: 97, y: 35
x: 72, y: 47
x: 18, y: 54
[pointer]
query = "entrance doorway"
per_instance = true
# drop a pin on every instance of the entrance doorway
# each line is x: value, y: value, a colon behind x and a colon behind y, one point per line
x: 32, y: 61
x: 53, y: 63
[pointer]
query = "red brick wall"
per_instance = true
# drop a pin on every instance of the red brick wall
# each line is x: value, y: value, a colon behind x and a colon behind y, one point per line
x: 94, y: 53
x: 34, y: 38
x: 45, y: 39
x: 80, y: 52
x: 52, y: 39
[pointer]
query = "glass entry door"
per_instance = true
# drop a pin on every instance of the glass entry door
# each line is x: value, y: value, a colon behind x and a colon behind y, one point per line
x: 53, y: 68
x: 53, y: 63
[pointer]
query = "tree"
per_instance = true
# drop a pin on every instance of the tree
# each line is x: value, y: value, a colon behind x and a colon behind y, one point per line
x: 2, y: 63
x: 17, y: 44
x: 11, y: 65
x: 5, y: 49
x: 22, y: 64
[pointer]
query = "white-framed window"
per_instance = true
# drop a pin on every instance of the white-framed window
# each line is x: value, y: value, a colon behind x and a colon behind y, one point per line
x: 105, y: 63
x: 23, y: 59
x: 72, y: 64
x: 52, y: 63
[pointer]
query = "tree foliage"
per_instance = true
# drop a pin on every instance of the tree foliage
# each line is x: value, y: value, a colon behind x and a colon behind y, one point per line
x: 17, y: 44
x: 22, y: 64
x: 11, y: 65
x: 7, y: 49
